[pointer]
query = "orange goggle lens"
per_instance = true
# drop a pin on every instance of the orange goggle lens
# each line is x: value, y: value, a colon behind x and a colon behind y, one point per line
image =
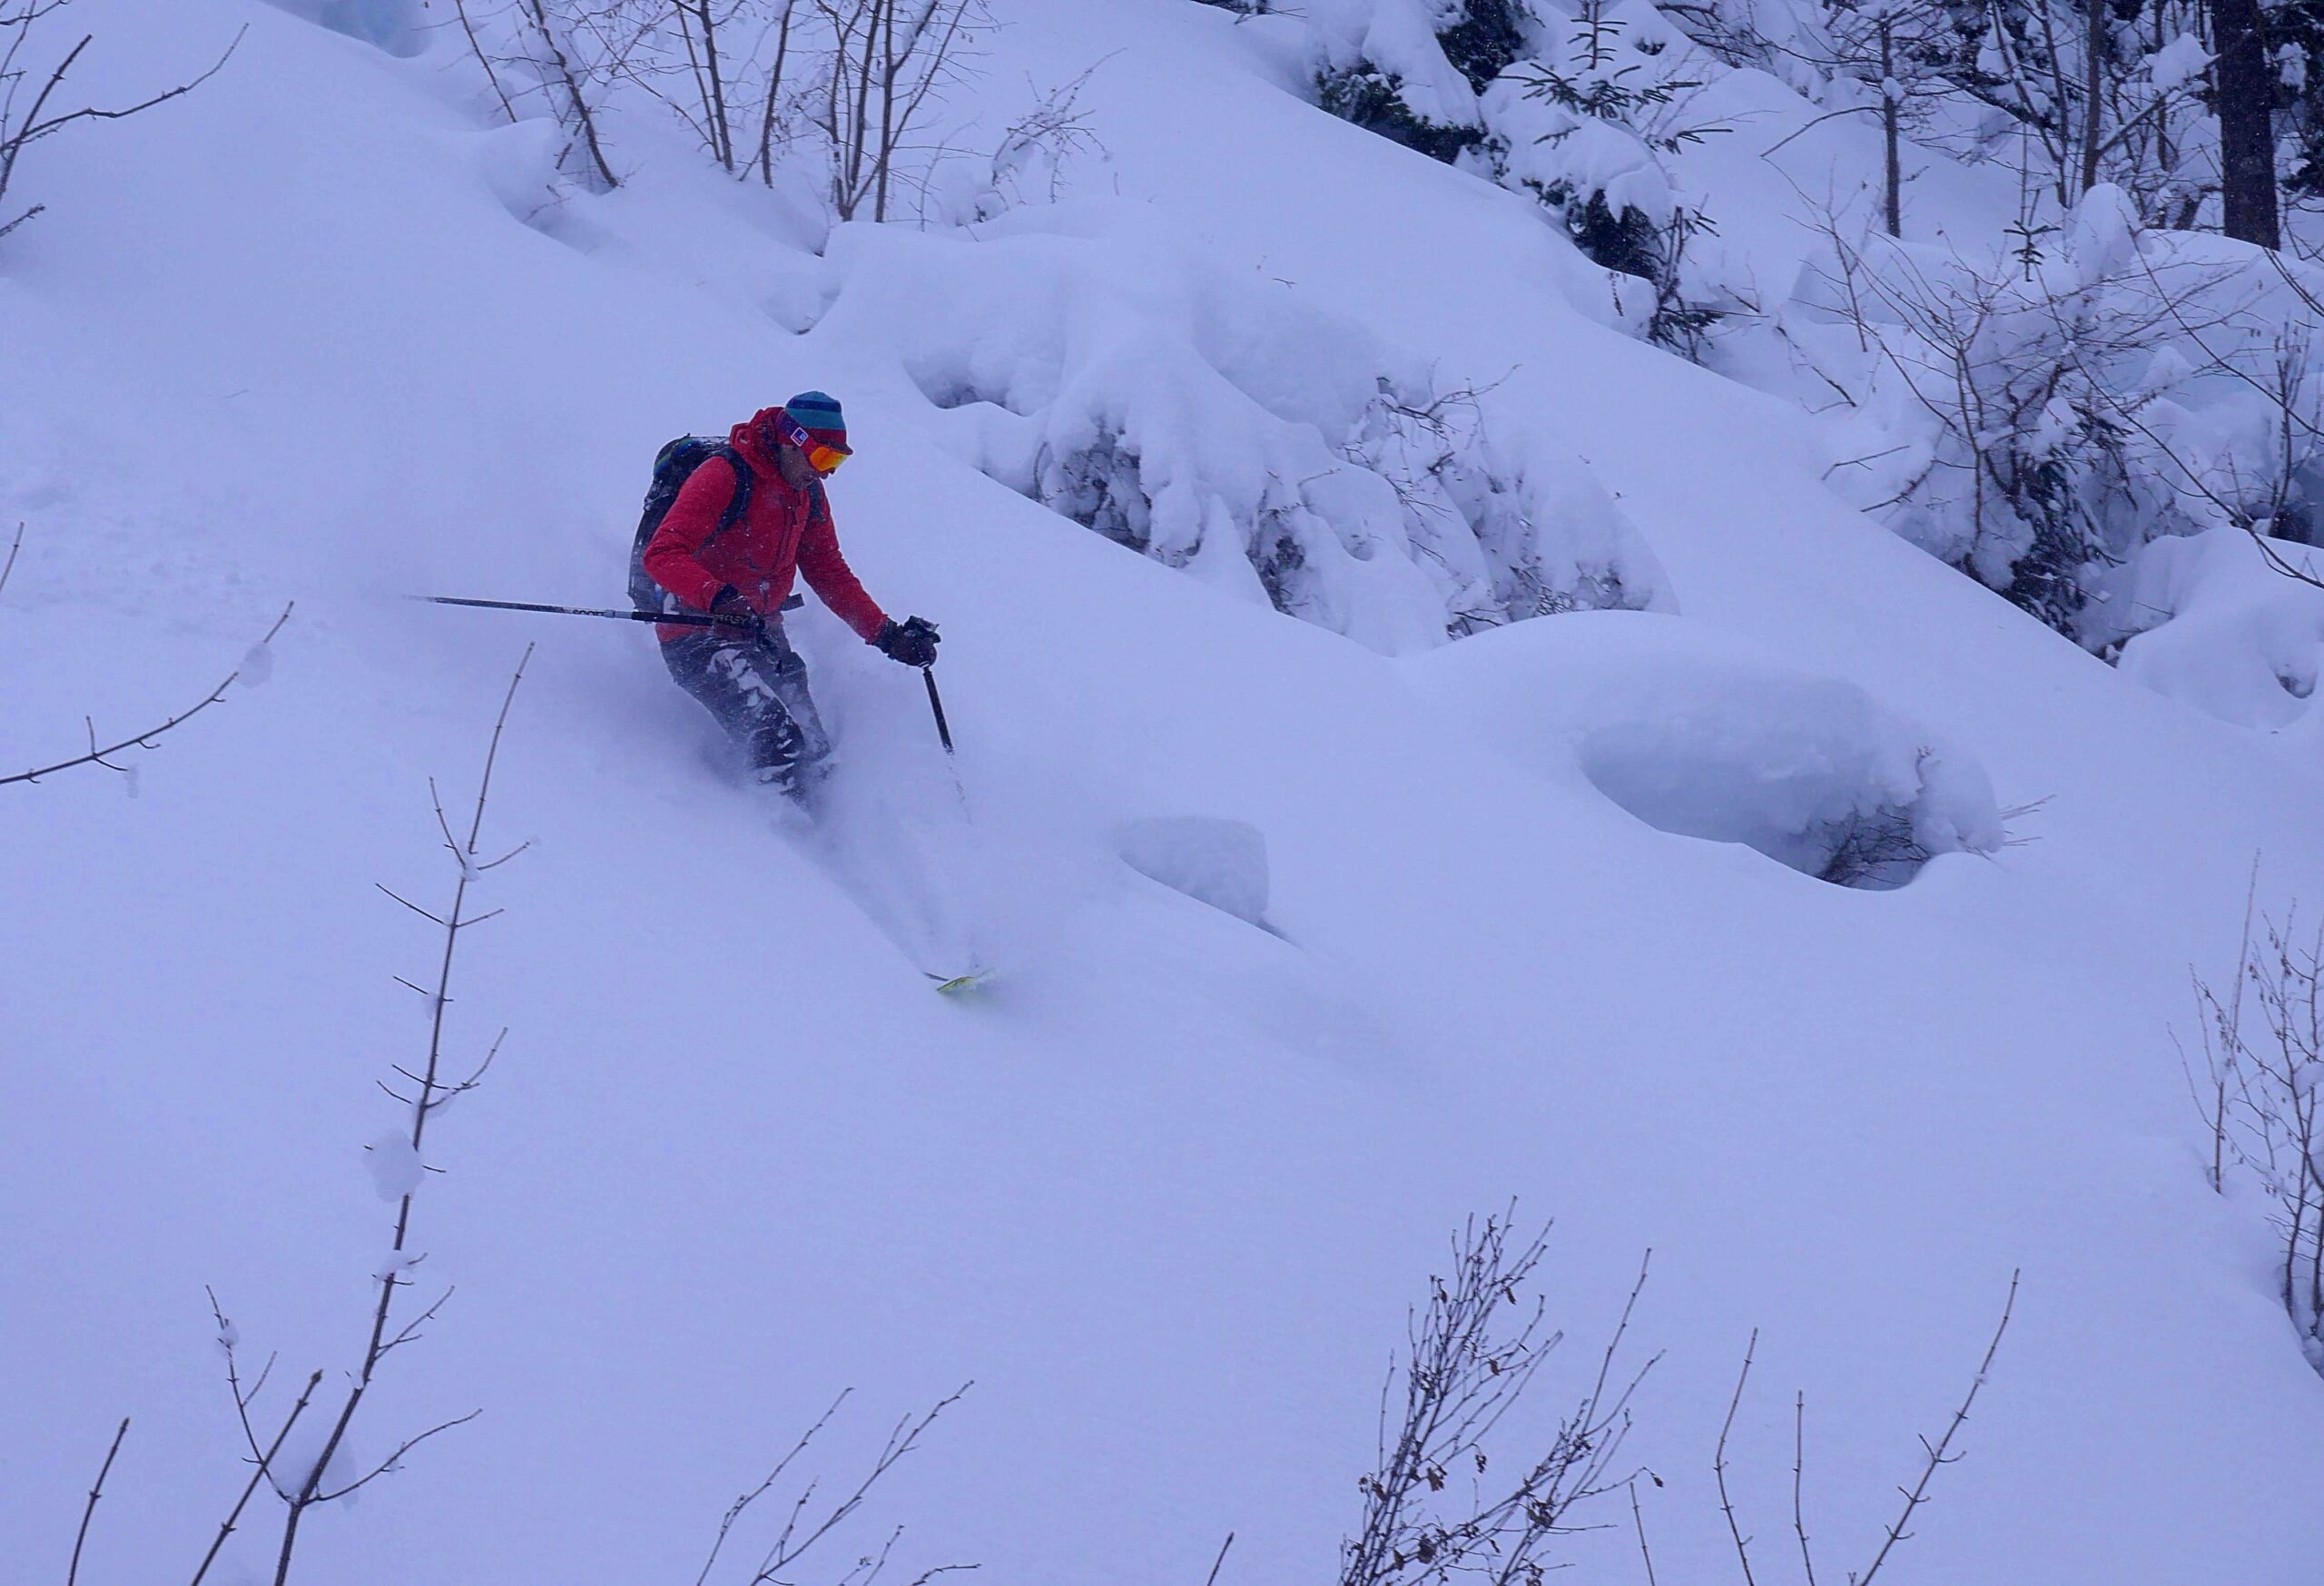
x: 823, y: 459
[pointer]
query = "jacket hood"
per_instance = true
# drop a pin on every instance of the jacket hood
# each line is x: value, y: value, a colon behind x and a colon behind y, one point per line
x: 754, y: 439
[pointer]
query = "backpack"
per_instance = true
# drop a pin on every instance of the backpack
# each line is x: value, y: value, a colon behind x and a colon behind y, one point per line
x: 673, y: 466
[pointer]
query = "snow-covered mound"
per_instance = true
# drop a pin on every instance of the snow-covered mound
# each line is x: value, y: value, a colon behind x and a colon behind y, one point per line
x: 1210, y: 859
x: 322, y: 331
x: 1695, y: 738
x: 2215, y: 627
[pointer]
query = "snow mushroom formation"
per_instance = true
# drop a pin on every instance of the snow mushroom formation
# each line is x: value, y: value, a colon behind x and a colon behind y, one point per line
x: 1699, y: 738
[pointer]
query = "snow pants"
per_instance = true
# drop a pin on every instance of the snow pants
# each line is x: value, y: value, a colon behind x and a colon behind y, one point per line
x: 758, y: 693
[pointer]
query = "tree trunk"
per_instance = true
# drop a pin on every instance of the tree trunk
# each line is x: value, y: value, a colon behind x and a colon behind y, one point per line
x: 2245, y: 97
x: 1891, y: 135
x: 2094, y: 77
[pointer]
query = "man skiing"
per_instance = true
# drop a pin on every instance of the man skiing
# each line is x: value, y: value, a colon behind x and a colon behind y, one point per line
x: 710, y: 560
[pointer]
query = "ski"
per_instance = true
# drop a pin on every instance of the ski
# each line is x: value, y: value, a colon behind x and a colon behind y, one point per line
x: 957, y: 983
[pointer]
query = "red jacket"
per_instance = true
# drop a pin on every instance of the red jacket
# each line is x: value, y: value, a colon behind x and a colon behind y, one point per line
x: 782, y: 532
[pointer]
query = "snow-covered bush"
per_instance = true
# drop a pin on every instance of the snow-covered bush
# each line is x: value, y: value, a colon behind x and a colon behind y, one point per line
x: 1278, y: 453
x: 1412, y: 70
x: 1586, y: 127
x: 1580, y: 111
x: 2035, y: 419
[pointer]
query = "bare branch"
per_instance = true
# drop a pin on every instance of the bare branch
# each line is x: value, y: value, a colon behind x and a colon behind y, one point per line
x: 406, y: 902
x: 1798, y: 1480
x: 1464, y: 1373
x: 790, y: 1543
x: 1937, y: 1453
x: 1719, y: 1461
x: 390, y: 1462
x: 143, y: 740
x: 36, y: 128
x: 432, y: 1091
x: 96, y: 1490
x: 1212, y: 1578
x: 262, y: 1472
x: 1638, y: 1520
x: 901, y: 1442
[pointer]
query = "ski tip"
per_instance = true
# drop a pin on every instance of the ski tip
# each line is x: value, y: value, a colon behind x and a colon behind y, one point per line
x: 956, y: 983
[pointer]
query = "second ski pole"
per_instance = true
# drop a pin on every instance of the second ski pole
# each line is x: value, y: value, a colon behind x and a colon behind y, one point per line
x: 936, y: 703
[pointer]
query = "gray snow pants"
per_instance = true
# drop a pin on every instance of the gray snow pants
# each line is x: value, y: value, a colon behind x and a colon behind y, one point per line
x: 758, y: 693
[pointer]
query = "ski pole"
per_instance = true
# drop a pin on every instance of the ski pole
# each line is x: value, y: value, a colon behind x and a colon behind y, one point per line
x: 678, y: 620
x: 936, y: 703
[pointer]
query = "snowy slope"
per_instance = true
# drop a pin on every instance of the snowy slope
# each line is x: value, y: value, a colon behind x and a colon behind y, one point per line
x: 1165, y: 1194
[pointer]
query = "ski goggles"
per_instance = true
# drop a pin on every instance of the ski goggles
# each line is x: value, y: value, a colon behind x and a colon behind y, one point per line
x: 822, y: 458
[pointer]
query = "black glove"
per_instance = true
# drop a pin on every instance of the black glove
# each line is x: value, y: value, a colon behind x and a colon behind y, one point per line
x: 911, y: 641
x: 740, y: 620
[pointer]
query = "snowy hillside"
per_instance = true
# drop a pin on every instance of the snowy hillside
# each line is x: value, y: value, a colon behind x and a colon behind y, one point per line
x: 1542, y: 918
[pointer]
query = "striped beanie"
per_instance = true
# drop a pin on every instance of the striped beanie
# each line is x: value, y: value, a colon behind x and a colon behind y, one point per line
x: 819, y: 415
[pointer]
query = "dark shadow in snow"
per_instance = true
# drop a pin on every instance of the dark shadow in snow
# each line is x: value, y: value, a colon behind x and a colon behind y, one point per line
x: 394, y: 26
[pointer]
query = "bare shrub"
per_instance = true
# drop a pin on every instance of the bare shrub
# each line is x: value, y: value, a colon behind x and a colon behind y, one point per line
x: 1474, y: 1349
x: 305, y: 1475
x: 398, y: 1168
x: 45, y: 114
x: 306, y: 1472
x: 1030, y: 163
x: 804, y: 1525
x: 2260, y: 1092
x: 565, y: 54
x: 857, y: 80
x: 309, y: 1475
x: 1936, y: 1456
x: 889, y: 56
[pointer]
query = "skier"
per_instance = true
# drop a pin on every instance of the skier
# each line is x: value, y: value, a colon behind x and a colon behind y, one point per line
x: 746, y: 674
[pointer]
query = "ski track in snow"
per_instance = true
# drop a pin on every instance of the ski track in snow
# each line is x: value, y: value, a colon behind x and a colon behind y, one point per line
x: 1167, y: 1192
